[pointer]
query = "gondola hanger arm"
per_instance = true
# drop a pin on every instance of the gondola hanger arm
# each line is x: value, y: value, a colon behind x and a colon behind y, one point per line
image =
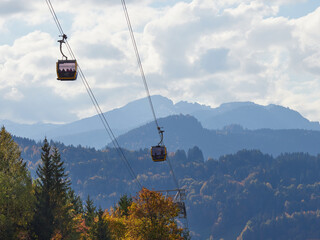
x: 160, y: 131
x: 64, y: 37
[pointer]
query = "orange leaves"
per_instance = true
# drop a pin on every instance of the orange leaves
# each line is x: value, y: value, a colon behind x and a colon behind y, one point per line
x: 151, y: 216
x: 116, y: 223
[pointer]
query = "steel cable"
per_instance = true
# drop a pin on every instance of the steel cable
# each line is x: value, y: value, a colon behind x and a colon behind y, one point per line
x: 95, y: 102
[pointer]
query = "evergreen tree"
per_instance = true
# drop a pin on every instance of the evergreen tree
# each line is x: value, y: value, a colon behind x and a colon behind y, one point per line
x: 101, y: 230
x: 53, y: 212
x: 124, y: 204
x: 75, y: 201
x: 61, y: 181
x: 16, y: 199
x: 89, y: 218
x: 43, y: 227
x: 61, y: 204
x: 90, y: 212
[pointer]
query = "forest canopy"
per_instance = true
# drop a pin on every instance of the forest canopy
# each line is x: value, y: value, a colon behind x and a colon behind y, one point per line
x: 237, y: 195
x: 48, y: 207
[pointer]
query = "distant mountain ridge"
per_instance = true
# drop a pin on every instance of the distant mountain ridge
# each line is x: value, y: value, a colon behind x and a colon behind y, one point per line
x: 89, y: 131
x: 185, y: 131
x: 253, y: 116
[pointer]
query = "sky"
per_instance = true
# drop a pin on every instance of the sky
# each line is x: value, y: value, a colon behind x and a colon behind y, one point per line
x: 205, y: 51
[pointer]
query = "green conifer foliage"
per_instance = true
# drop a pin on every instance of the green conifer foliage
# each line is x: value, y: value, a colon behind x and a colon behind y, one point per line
x: 76, y: 202
x: 54, y: 209
x: 90, y: 212
x: 44, y: 212
x: 62, y: 206
x: 124, y: 204
x: 16, y: 199
x: 89, y: 217
x: 101, y: 230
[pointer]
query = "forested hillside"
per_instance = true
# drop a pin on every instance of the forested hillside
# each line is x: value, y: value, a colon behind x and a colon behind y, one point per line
x: 47, y: 208
x: 244, y: 195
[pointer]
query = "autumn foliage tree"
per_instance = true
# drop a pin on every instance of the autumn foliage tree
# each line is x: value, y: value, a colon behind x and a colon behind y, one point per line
x: 48, y: 209
x: 16, y: 198
x: 150, y: 216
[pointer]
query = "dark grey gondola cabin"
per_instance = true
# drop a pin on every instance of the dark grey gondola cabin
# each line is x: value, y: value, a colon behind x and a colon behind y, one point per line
x: 67, y: 70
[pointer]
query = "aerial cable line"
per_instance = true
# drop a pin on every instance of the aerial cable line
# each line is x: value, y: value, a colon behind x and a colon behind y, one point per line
x: 96, y: 104
x: 140, y: 67
x: 145, y: 81
x: 147, y: 91
x: 94, y: 100
x: 55, y: 18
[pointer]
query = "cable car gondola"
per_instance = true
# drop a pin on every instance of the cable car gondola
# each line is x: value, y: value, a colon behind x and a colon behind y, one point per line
x: 66, y: 69
x: 159, y: 152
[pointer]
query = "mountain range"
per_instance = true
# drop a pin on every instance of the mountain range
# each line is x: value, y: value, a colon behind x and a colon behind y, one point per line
x: 136, y: 114
x: 185, y: 131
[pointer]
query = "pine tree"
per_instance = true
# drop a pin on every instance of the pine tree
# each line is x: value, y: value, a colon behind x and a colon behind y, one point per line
x: 90, y: 212
x: 44, y: 212
x: 16, y: 199
x: 60, y: 202
x: 124, y: 204
x: 89, y: 217
x: 102, y: 232
x: 53, y: 212
x: 101, y: 229
x: 61, y: 180
x: 75, y: 201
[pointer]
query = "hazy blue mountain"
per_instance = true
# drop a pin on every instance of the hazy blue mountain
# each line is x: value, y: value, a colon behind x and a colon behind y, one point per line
x: 254, y: 116
x: 90, y: 132
x: 29, y: 130
x: 184, y: 132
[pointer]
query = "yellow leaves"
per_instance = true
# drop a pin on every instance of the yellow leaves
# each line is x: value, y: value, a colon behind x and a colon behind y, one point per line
x: 80, y: 223
x: 117, y: 224
x: 151, y: 216
x: 16, y: 199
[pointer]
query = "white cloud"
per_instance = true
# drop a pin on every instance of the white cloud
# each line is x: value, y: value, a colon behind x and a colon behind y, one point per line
x: 11, y: 7
x: 200, y: 50
x: 27, y: 60
x: 14, y: 95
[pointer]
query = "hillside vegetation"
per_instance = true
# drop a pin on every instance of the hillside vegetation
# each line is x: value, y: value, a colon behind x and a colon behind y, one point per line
x: 47, y: 208
x: 243, y: 195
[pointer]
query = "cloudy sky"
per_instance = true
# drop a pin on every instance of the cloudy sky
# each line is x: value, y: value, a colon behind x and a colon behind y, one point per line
x: 205, y: 51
